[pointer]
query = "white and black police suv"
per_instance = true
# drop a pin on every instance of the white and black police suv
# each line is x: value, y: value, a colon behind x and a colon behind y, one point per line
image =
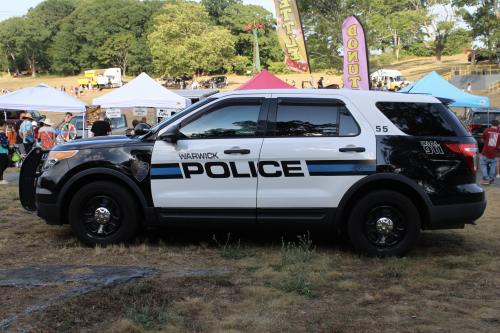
x: 378, y: 165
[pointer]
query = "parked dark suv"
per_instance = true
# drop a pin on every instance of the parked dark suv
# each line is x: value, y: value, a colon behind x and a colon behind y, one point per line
x: 479, y: 119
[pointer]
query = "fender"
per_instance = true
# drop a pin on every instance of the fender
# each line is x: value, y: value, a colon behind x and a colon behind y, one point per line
x: 112, y: 172
x: 378, y: 177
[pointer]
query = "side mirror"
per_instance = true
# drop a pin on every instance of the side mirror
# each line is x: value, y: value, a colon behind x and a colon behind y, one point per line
x: 172, y: 135
x: 142, y: 129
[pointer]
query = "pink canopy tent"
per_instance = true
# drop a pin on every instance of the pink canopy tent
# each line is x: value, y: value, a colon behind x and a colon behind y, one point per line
x: 265, y: 80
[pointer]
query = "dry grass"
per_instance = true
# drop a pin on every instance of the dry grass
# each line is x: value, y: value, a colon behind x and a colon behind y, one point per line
x: 449, y: 282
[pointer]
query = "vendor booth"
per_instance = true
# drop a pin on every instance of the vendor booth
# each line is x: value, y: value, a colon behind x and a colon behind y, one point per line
x: 143, y: 92
x: 433, y: 84
x: 41, y: 98
x: 265, y: 80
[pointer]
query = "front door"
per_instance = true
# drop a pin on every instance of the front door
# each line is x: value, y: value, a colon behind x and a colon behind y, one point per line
x: 314, y: 150
x: 214, y: 164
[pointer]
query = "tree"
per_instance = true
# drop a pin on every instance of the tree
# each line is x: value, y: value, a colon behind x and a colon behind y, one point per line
x: 184, y: 40
x: 483, y: 22
x: 236, y: 17
x: 82, y: 42
x: 440, y: 25
x: 8, y: 38
x: 216, y: 8
x: 117, y: 50
x: 30, y: 39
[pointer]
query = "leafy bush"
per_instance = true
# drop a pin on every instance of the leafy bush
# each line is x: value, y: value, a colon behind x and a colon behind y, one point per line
x: 278, y: 67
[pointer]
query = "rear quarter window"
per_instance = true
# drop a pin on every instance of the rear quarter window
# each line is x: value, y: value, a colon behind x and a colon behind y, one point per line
x: 418, y: 119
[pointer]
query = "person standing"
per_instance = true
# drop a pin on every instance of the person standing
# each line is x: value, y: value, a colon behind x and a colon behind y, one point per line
x: 489, y: 155
x: 469, y: 88
x: 47, y: 134
x: 293, y: 83
x: 4, y: 151
x: 320, y: 83
x: 76, y: 91
x: 26, y: 131
x: 11, y: 135
x: 101, y: 127
x: 35, y: 130
x: 19, y: 139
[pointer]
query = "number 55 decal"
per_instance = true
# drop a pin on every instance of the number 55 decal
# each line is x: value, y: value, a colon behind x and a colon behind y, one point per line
x: 381, y: 128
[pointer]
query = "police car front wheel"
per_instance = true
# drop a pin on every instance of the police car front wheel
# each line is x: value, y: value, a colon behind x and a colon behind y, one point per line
x: 103, y: 213
x: 384, y: 223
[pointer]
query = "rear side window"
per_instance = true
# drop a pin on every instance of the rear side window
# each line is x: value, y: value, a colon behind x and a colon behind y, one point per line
x: 417, y: 119
x: 306, y: 120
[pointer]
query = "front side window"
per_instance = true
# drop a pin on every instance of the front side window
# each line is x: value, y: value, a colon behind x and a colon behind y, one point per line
x: 229, y: 121
x: 306, y: 120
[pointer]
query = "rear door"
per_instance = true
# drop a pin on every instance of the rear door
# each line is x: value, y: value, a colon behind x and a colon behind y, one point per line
x: 314, y: 150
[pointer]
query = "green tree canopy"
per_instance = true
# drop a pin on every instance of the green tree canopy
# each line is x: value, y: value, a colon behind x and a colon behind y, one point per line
x: 184, y: 40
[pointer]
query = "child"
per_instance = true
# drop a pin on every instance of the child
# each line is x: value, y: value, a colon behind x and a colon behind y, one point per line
x: 11, y: 135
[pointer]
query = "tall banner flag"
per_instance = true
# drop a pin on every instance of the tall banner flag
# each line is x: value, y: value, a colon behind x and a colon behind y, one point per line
x: 356, y: 67
x: 291, y: 37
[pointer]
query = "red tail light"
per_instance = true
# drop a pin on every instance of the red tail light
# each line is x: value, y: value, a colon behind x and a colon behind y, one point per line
x: 471, y: 127
x: 469, y: 150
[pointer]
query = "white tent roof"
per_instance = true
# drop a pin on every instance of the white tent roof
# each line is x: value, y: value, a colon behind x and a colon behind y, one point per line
x: 142, y: 91
x: 41, y: 98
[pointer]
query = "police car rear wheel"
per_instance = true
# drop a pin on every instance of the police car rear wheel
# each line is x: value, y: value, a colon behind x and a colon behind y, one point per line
x: 103, y: 213
x: 384, y: 223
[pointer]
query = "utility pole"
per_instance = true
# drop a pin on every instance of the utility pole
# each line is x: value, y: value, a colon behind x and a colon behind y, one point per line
x: 256, y: 58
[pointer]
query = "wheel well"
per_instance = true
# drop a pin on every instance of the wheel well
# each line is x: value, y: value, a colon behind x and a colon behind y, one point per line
x: 85, y: 180
x: 387, y: 184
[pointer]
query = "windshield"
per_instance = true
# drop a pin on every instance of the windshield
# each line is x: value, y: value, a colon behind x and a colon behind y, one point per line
x: 181, y: 114
x: 400, y: 78
x: 484, y: 117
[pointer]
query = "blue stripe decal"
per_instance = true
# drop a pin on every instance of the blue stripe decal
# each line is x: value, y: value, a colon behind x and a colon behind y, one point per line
x: 340, y: 168
x: 166, y: 171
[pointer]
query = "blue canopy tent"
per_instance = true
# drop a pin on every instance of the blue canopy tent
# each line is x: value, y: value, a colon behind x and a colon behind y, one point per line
x: 433, y: 84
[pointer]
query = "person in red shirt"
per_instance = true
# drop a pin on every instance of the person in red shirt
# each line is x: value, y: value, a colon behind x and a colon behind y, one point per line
x: 489, y: 155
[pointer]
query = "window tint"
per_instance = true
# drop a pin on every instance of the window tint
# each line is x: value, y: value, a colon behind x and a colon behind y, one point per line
x: 118, y: 122
x: 226, y: 122
x: 306, y: 120
x: 347, y: 124
x: 419, y: 119
x: 484, y: 118
x: 78, y: 122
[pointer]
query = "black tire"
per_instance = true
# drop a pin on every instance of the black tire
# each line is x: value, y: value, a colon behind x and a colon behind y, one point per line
x: 384, y: 223
x: 118, y: 227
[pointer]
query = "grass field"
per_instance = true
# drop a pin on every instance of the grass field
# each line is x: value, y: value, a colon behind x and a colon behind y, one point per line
x: 448, y: 283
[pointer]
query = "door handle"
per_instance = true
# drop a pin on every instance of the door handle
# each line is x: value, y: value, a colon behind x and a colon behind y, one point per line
x: 356, y: 149
x: 237, y: 151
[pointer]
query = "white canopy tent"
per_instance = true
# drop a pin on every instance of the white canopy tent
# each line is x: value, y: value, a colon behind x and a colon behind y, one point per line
x: 41, y: 98
x: 142, y: 91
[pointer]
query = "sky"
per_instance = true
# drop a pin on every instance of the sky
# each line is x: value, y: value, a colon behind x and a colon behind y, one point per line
x: 9, y: 8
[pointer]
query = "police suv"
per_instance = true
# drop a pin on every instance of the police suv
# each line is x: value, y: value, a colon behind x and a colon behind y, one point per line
x: 378, y: 166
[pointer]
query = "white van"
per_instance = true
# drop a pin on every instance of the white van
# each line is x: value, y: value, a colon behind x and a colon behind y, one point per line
x: 391, y: 77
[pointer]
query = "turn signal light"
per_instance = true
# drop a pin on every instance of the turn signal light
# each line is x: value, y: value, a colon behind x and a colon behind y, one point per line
x: 469, y: 150
x: 56, y: 156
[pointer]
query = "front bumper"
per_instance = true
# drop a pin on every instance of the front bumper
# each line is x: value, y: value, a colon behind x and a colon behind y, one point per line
x: 50, y: 213
x: 451, y: 215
